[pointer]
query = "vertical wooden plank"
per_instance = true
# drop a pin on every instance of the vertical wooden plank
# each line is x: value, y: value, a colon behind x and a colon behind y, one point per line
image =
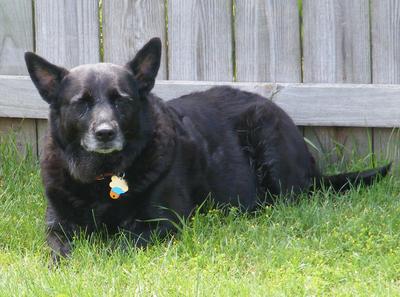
x: 67, y: 32
x: 336, y: 41
x: 200, y: 40
x: 339, y: 144
x: 24, y: 131
x: 128, y: 25
x: 385, y: 34
x: 41, y: 128
x: 16, y: 35
x: 387, y: 146
x: 336, y: 48
x: 267, y: 41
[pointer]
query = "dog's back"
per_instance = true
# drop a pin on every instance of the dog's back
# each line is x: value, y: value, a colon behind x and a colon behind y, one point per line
x: 267, y: 137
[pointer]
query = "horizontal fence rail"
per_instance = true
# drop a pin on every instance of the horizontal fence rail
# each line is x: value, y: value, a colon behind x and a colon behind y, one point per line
x: 346, y: 105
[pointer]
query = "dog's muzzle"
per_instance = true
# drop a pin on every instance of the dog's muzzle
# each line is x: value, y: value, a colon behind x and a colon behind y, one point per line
x: 104, y: 138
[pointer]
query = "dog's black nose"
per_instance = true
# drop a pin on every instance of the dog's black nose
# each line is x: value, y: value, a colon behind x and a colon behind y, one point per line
x: 105, y: 134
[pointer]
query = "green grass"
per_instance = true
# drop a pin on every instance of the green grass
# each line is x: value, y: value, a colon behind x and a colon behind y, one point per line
x: 323, y: 245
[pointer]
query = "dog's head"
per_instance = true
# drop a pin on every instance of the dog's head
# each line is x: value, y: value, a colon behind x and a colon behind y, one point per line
x: 98, y: 111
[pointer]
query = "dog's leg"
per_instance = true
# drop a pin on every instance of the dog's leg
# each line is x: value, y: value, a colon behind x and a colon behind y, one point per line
x: 59, y: 236
x: 60, y: 246
x: 276, y: 151
x: 140, y: 234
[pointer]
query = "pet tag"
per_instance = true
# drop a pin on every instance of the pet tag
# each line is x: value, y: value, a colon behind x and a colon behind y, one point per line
x: 118, y: 187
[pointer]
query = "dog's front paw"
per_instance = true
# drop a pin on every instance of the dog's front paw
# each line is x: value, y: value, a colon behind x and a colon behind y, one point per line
x: 60, y: 247
x: 58, y: 256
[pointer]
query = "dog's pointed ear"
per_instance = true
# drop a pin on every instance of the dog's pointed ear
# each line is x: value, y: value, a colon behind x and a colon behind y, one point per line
x: 46, y: 76
x: 144, y: 66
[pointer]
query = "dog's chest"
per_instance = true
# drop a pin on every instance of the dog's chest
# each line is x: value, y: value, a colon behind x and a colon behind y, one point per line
x: 101, y: 208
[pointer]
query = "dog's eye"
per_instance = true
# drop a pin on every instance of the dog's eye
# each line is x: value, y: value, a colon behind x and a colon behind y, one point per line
x: 124, y: 98
x: 122, y: 102
x: 82, y: 106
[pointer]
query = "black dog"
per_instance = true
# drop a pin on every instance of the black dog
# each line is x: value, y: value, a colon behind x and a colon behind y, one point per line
x: 119, y: 157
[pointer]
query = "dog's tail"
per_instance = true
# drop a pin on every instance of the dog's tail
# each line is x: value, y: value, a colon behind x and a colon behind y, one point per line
x: 344, y: 181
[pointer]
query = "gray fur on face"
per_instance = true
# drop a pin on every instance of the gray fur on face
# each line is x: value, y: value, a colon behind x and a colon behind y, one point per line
x: 102, y: 118
x: 91, y: 144
x: 81, y: 169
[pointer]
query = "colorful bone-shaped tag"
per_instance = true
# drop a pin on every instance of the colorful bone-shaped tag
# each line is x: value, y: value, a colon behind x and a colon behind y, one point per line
x: 118, y: 186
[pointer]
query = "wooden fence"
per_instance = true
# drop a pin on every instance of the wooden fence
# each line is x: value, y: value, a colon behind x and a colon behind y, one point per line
x: 328, y: 63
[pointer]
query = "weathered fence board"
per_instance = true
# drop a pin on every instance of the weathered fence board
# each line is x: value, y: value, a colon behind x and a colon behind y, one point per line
x: 16, y: 35
x: 309, y: 104
x: 387, y: 145
x: 67, y: 32
x: 347, y: 105
x: 336, y: 49
x: 338, y: 144
x: 336, y: 41
x: 20, y: 99
x: 200, y: 40
x: 41, y: 128
x: 128, y: 25
x: 23, y: 131
x: 267, y: 41
x: 385, y: 34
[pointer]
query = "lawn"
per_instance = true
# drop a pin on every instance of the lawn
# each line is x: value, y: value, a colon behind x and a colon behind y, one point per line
x: 324, y: 245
